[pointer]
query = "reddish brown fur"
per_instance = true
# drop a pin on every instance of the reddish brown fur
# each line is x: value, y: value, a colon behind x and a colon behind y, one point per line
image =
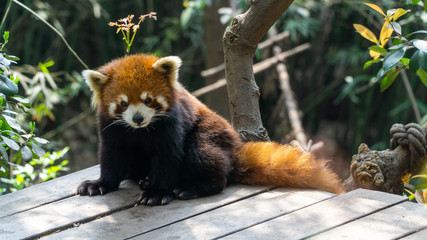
x: 268, y: 163
x: 214, y: 153
x: 130, y: 75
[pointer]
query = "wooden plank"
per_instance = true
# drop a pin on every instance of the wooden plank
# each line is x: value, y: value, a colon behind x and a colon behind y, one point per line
x: 50, y: 217
x: 321, y: 216
x: 418, y: 235
x: 140, y: 219
x: 44, y: 193
x: 389, y: 223
x: 238, y: 215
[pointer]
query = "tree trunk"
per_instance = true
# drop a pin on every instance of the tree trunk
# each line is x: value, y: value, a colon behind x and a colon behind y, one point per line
x: 240, y: 42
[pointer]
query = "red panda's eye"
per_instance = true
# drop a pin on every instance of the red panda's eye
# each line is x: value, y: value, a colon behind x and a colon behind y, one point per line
x: 147, y: 100
x: 124, y: 104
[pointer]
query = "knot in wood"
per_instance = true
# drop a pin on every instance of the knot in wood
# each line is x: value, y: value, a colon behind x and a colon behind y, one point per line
x: 258, y: 135
x: 230, y: 37
x: 235, y: 21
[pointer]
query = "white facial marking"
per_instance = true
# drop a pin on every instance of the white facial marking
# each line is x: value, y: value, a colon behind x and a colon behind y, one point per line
x: 112, y: 109
x: 144, y: 96
x: 146, y: 113
x: 124, y: 98
x: 162, y: 101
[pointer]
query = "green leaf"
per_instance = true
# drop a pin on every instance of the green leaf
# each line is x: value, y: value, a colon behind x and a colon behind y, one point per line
x: 7, y: 86
x: 41, y: 140
x: 420, y: 44
x: 6, y: 35
x: 11, y: 57
x: 38, y: 150
x: 5, y: 62
x: 3, y: 152
x: 389, y: 79
x: 13, y: 123
x: 380, y: 73
x: 421, y: 187
x: 22, y: 100
x: 10, y: 112
x: 370, y: 62
x: 418, y: 60
x: 10, y: 143
x: 378, y: 49
x: 396, y: 27
x: 32, y: 126
x: 397, y: 41
x: 405, y: 61
x: 390, y: 12
x: 26, y: 153
x: 44, y: 66
x: 398, y: 46
x: 391, y: 59
x: 423, y: 120
x: 4, y: 171
x: 417, y: 32
x: 423, y: 76
x: 186, y: 16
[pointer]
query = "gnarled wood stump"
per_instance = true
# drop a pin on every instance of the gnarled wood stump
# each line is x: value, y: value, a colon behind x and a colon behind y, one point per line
x: 383, y: 170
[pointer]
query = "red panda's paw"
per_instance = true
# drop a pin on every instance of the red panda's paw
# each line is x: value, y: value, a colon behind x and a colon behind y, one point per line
x: 144, y: 183
x: 92, y: 188
x: 185, y: 194
x: 154, y: 198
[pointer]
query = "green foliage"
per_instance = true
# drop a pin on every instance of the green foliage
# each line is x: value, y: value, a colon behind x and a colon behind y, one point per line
x: 416, y: 188
x: 393, y: 58
x: 17, y: 144
x: 35, y: 171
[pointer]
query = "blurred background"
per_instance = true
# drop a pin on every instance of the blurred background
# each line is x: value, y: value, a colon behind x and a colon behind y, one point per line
x: 340, y: 103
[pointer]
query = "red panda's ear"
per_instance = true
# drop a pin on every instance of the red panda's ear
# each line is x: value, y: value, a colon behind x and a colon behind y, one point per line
x: 95, y: 80
x: 169, y: 66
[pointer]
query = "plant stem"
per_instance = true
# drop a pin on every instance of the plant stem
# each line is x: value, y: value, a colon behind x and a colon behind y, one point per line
x: 5, y: 15
x: 133, y: 37
x: 411, y: 95
x: 54, y: 29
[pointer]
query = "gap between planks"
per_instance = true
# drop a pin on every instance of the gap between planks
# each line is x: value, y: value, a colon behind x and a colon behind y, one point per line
x: 321, y: 217
x: 415, y: 235
x: 101, y: 227
x: 400, y: 219
x: 44, y: 193
x: 238, y: 215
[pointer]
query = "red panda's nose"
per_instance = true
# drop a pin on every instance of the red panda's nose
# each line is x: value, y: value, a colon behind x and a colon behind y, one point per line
x: 137, y: 118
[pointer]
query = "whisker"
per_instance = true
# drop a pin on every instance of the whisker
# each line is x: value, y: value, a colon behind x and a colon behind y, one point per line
x: 111, y: 124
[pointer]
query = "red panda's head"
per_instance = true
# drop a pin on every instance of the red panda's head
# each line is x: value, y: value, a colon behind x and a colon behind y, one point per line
x: 135, y: 88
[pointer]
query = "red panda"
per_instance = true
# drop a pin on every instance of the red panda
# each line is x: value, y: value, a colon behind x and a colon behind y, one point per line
x: 151, y: 127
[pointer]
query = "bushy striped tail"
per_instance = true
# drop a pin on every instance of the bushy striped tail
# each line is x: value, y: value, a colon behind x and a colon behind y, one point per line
x: 269, y: 163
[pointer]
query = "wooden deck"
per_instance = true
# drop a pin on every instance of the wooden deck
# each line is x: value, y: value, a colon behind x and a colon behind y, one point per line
x: 52, y: 210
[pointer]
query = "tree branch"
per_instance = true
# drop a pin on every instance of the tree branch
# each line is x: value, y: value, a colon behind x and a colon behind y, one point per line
x: 258, y: 67
x: 240, y: 41
x: 262, y: 45
x: 288, y: 96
